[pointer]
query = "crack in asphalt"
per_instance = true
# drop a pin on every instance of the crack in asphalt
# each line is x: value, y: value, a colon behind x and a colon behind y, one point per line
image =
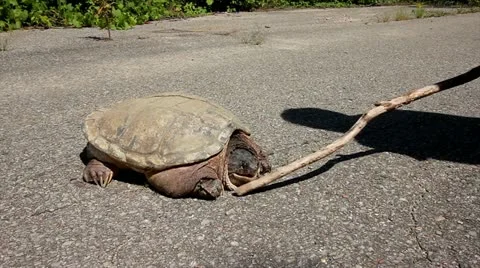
x: 456, y: 254
x: 51, y: 210
x: 415, y: 233
x: 114, y: 256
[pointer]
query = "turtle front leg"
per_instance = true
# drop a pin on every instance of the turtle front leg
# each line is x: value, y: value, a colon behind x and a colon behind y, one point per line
x: 98, y: 173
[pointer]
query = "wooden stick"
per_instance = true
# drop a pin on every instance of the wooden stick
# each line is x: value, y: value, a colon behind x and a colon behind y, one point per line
x: 382, y: 107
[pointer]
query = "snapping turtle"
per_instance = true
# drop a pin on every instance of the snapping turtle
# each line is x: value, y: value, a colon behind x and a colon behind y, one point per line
x: 185, y: 146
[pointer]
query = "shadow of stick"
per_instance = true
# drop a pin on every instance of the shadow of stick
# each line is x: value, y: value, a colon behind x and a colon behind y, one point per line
x: 324, y: 168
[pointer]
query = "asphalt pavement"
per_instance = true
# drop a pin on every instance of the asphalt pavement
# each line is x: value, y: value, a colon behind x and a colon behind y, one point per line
x: 405, y: 193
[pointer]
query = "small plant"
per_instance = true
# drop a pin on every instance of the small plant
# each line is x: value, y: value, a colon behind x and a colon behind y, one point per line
x: 401, y: 15
x: 105, y: 14
x: 419, y: 11
x: 383, y: 18
x: 255, y: 37
x: 3, y: 43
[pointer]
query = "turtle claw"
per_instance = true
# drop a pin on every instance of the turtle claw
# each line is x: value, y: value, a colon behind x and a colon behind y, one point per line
x: 98, y: 173
x: 109, y: 179
x: 103, y: 180
x: 208, y: 188
x: 106, y: 179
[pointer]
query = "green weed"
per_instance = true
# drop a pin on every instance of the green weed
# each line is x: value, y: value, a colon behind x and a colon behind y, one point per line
x: 419, y: 11
x: 105, y: 12
x: 401, y: 14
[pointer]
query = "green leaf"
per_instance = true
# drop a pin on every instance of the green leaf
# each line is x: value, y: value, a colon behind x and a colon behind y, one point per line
x: 12, y: 2
x: 76, y: 23
x: 209, y: 2
x: 117, y: 13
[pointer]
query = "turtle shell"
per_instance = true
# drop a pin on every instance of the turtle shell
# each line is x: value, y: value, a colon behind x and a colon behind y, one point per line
x: 161, y: 131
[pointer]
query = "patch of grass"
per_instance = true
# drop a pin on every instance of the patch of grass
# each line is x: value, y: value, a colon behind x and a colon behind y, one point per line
x: 383, y: 18
x: 420, y: 12
x: 436, y: 13
x: 468, y: 10
x: 255, y: 37
x: 401, y: 14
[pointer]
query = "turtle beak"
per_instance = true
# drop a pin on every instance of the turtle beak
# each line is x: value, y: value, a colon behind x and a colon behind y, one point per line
x: 239, y: 180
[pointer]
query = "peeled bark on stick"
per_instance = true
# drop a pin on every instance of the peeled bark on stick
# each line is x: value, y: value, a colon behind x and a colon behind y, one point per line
x: 381, y: 107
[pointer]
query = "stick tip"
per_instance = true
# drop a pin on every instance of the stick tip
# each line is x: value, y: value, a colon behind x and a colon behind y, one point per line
x: 240, y: 191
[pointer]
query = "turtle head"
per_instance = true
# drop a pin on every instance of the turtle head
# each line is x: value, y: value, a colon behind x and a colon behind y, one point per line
x: 246, y: 161
x: 243, y: 166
